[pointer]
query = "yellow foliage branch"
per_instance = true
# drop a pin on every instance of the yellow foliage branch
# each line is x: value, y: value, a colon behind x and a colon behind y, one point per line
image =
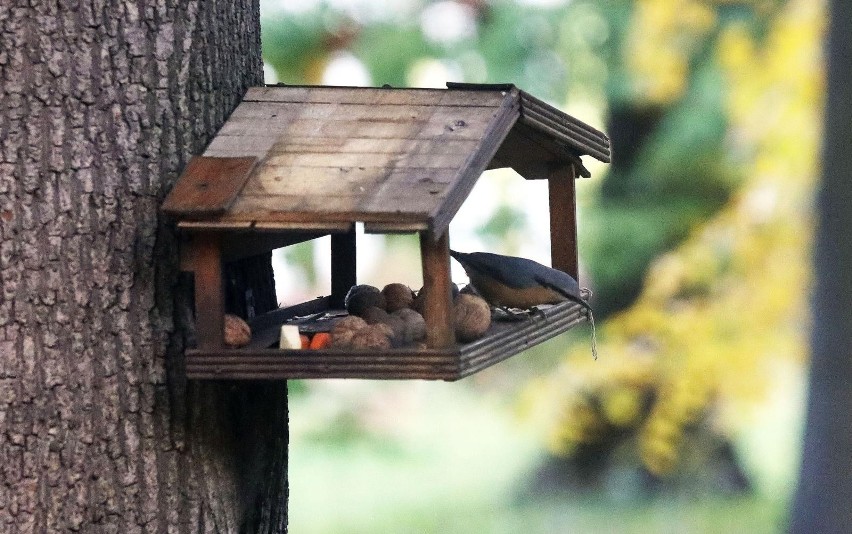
x: 716, y: 312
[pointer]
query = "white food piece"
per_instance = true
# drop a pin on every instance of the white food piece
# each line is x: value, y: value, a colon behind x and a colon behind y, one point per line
x: 290, y: 337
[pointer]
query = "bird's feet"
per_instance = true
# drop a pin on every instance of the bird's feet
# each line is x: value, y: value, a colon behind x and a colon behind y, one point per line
x: 535, y: 311
x: 502, y: 313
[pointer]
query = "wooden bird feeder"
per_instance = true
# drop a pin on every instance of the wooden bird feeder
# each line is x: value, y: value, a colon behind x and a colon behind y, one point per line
x: 293, y: 163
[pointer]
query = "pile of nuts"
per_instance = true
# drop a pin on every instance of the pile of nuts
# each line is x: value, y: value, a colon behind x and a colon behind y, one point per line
x: 378, y: 319
x: 392, y: 317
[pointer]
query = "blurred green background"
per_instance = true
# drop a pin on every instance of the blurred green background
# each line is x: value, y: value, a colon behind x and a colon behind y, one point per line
x: 695, y: 242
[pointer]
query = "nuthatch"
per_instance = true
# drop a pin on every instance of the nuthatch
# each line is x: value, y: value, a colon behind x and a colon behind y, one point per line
x: 510, y: 282
x: 507, y: 281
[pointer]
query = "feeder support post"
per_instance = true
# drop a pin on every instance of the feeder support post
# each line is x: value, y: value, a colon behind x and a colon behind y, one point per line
x: 563, y: 220
x: 343, y: 265
x: 438, y: 309
x: 209, y: 290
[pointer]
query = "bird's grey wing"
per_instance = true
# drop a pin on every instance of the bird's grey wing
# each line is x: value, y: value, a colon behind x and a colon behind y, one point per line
x: 507, y: 270
x: 562, y: 283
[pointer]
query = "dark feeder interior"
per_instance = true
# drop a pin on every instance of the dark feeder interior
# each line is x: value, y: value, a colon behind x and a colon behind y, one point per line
x: 293, y: 163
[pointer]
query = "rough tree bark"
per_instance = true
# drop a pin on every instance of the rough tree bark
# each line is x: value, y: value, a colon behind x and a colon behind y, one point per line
x: 101, y: 104
x: 823, y: 501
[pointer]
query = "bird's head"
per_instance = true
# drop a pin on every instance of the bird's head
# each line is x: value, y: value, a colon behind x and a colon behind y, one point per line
x: 465, y: 260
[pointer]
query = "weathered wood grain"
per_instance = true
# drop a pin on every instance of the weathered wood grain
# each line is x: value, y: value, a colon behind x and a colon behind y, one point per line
x: 394, y: 203
x: 563, y: 220
x: 286, y: 111
x: 208, y: 186
x: 374, y: 96
x: 231, y: 146
x: 438, y: 310
x: 396, y: 160
x: 318, y: 181
x: 437, y: 159
x: 338, y: 145
x: 581, y: 145
x: 563, y: 120
x: 267, y: 207
x: 443, y: 127
x: 209, y: 290
x: 502, y: 341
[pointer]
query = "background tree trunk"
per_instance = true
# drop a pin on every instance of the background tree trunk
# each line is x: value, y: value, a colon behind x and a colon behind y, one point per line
x: 101, y: 104
x: 824, y: 499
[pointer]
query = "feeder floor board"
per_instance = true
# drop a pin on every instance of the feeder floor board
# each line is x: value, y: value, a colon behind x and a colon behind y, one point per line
x: 503, y: 340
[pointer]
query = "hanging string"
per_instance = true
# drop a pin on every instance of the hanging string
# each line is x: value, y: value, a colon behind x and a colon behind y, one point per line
x: 586, y: 294
x: 594, y: 335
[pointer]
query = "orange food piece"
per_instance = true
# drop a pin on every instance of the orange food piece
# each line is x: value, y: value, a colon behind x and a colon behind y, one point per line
x: 321, y: 340
x: 306, y: 341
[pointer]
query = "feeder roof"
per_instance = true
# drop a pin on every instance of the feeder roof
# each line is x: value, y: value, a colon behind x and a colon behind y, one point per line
x: 398, y: 160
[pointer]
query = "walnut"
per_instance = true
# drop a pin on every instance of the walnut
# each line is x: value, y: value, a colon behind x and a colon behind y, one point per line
x: 420, y: 300
x: 237, y: 331
x: 414, y: 325
x: 397, y: 296
x: 375, y: 315
x: 344, y: 329
x: 385, y: 329
x: 372, y: 337
x: 361, y: 297
x: 472, y: 317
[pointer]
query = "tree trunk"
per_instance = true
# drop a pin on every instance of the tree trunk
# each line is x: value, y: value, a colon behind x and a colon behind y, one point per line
x: 824, y: 498
x: 101, y: 105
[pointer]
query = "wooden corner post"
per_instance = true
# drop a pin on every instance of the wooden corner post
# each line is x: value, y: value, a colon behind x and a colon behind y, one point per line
x: 343, y: 266
x: 209, y: 290
x: 563, y: 220
x: 438, y: 309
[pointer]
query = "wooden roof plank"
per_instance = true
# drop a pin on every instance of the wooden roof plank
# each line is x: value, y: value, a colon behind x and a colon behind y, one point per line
x: 319, y: 181
x: 384, y: 160
x: 266, y: 205
x: 442, y: 125
x: 341, y: 145
x: 414, y: 197
x: 395, y: 227
x: 229, y: 146
x: 208, y: 186
x: 579, y: 136
x: 279, y: 207
x: 215, y: 225
x: 257, y: 215
x: 330, y: 226
x: 529, y: 102
x: 418, y: 200
x: 334, y: 111
x: 580, y: 145
x: 373, y: 95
